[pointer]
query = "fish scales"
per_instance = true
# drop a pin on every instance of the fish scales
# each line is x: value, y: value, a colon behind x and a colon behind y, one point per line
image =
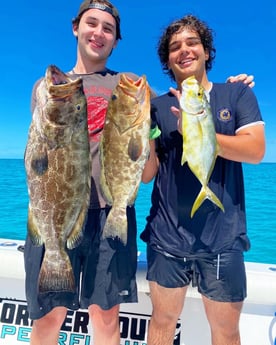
x: 124, y: 149
x: 58, y: 169
x: 200, y: 146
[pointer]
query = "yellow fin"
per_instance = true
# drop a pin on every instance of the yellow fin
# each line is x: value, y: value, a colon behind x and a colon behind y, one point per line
x: 205, y: 193
x: 183, y: 159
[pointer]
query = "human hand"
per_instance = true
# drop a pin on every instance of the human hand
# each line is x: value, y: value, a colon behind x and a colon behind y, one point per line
x: 244, y: 78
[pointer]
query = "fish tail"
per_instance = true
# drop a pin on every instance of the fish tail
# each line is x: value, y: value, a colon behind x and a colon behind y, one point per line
x: 183, y: 159
x: 56, y: 274
x: 116, y: 224
x: 205, y: 193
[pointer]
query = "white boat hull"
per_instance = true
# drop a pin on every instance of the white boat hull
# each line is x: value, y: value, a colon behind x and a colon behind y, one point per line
x: 257, y: 325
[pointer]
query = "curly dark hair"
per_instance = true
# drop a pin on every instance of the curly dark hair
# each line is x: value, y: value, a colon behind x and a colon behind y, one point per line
x: 192, y: 23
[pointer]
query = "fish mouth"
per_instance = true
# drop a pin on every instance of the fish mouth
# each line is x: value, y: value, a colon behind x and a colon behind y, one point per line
x: 60, y: 86
x: 136, y: 94
x: 192, y: 100
x: 134, y: 89
x: 55, y: 76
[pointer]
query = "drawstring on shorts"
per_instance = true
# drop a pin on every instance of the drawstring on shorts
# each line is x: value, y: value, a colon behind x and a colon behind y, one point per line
x: 218, y: 263
x: 192, y: 258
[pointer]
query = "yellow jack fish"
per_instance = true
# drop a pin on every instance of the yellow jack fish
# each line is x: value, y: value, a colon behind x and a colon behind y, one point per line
x: 199, y: 139
x: 124, y: 149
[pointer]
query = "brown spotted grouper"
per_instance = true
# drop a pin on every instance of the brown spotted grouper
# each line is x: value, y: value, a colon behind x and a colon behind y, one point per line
x: 58, y: 168
x: 124, y: 149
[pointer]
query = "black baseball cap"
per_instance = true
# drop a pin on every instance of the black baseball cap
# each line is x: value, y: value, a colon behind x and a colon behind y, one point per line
x: 103, y: 5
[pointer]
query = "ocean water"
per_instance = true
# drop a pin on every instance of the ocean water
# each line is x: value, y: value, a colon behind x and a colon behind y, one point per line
x: 260, y: 184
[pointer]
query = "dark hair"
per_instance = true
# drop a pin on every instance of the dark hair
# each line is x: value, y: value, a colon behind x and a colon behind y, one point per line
x: 192, y: 23
x: 103, y: 5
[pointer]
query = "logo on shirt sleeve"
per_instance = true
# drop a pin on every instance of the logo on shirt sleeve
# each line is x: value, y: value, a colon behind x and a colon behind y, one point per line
x: 224, y: 115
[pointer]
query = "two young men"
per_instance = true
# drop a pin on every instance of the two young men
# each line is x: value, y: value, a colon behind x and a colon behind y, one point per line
x: 102, y: 268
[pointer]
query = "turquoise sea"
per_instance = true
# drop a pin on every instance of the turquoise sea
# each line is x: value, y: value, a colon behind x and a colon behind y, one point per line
x: 260, y: 184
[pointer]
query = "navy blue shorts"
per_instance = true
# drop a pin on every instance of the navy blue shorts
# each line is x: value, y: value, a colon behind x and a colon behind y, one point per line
x: 219, y: 277
x: 104, y: 269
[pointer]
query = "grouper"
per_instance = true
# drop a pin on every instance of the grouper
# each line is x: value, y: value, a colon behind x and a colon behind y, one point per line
x: 124, y: 149
x: 58, y: 169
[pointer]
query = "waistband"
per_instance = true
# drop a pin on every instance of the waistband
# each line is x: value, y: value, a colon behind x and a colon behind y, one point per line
x: 186, y: 257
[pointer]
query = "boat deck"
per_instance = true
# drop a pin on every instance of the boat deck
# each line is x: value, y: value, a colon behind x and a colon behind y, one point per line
x: 257, y: 324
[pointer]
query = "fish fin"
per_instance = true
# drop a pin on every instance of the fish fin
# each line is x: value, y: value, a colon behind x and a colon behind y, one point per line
x: 133, y: 197
x: 103, y: 184
x: 104, y: 188
x: 33, y: 230
x: 205, y: 193
x: 56, y: 273
x: 116, y: 224
x: 39, y: 162
x: 183, y: 159
x: 135, y: 148
x: 76, y: 235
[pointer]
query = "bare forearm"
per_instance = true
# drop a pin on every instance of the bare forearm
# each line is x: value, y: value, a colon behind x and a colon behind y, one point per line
x: 151, y: 166
x: 246, y: 146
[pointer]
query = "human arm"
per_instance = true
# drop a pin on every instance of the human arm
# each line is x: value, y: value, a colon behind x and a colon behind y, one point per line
x: 152, y: 164
x: 246, y: 142
x: 248, y: 145
x: 244, y: 78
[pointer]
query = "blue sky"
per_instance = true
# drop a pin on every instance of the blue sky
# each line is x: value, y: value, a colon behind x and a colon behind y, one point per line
x: 35, y: 34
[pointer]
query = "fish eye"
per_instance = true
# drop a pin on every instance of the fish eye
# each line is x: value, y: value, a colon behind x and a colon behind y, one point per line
x: 114, y: 97
x: 78, y: 107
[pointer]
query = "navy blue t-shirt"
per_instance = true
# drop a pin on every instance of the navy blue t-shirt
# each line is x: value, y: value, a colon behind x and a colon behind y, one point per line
x: 169, y: 225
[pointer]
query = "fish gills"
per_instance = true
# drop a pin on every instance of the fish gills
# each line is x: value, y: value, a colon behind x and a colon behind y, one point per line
x: 58, y: 169
x: 200, y: 146
x: 124, y: 149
